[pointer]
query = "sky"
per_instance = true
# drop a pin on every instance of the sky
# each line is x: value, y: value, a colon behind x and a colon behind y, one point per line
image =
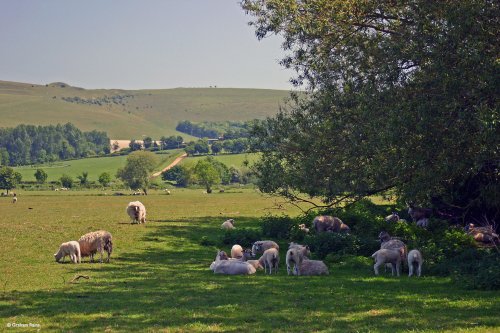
x: 137, y: 44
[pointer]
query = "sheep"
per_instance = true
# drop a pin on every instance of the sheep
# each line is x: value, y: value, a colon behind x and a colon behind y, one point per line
x: 303, y: 228
x: 418, y: 213
x: 92, y: 242
x: 394, y: 217
x: 423, y: 222
x: 14, y: 199
x: 229, y: 224
x: 255, y: 263
x: 137, y: 212
x: 391, y: 256
x: 261, y: 246
x: 312, y: 267
x: 71, y: 249
x: 415, y: 259
x: 485, y: 235
x: 270, y: 259
x: 387, y: 242
x: 295, y: 255
x: 325, y: 223
x: 167, y: 192
x: 237, y: 252
x: 230, y: 267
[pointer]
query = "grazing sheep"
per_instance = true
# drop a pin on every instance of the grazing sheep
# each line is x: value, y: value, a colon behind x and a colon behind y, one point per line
x: 229, y: 224
x: 312, y: 267
x: 95, y: 241
x: 231, y: 267
x: 325, y: 223
x: 418, y: 213
x: 391, y: 256
x: 71, y: 249
x: 137, y: 212
x: 415, y: 259
x: 261, y: 246
x: 387, y: 242
x: 303, y: 228
x: 394, y: 217
x: 270, y: 259
x: 295, y: 255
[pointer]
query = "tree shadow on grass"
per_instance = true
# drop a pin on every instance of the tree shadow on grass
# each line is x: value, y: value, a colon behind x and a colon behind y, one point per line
x: 167, y: 285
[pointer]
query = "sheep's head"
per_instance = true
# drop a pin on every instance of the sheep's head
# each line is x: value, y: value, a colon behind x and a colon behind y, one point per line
x: 256, y: 247
x: 58, y: 256
x: 384, y: 236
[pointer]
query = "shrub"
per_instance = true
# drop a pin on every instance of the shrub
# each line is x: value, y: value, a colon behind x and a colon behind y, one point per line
x: 205, y: 241
x: 325, y: 243
x: 278, y: 226
x: 242, y: 236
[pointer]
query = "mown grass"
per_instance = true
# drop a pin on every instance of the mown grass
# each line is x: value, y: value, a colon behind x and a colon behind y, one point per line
x: 158, y: 279
x: 94, y: 166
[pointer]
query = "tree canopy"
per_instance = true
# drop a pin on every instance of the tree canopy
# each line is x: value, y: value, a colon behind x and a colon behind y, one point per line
x: 401, y: 96
x: 137, y: 170
x: 9, y: 178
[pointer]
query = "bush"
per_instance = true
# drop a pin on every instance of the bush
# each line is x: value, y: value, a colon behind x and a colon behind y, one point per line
x: 242, y: 236
x: 205, y: 241
x: 278, y: 226
x: 326, y: 243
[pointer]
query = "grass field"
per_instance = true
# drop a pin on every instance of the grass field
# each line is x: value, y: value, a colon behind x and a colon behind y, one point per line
x: 94, y: 166
x: 152, y: 113
x: 158, y: 279
x: 236, y: 160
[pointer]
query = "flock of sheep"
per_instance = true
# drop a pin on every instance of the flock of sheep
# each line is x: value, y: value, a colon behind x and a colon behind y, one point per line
x: 97, y: 241
x: 392, y: 253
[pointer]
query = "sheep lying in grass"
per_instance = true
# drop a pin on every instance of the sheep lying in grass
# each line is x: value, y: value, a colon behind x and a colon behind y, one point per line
x: 312, y: 267
x: 71, y: 249
x: 255, y: 263
x: 270, y: 259
x: 388, y: 256
x: 295, y: 255
x: 96, y: 241
x: 261, y: 246
x: 137, y: 212
x: 230, y: 267
x: 237, y: 252
x: 415, y: 260
x: 229, y: 224
x: 485, y: 235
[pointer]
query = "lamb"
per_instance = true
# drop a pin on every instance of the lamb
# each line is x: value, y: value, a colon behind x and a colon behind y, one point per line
x: 137, y: 212
x: 418, y: 213
x: 270, y: 259
x: 229, y: 224
x: 295, y: 255
x: 92, y: 242
x: 387, y: 242
x: 237, y: 252
x: 394, y: 217
x: 261, y: 246
x: 391, y: 256
x: 325, y: 223
x: 415, y: 259
x: 71, y: 249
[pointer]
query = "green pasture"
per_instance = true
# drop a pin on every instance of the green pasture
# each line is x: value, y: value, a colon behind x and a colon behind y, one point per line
x: 158, y: 279
x: 94, y: 166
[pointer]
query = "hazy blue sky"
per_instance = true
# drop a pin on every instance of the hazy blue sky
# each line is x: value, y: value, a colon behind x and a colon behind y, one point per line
x: 134, y: 44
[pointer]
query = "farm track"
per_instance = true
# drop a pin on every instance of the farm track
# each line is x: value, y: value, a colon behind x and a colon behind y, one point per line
x: 171, y: 165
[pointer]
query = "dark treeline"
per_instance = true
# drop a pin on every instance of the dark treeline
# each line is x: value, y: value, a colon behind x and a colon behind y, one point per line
x: 215, y: 130
x: 29, y: 144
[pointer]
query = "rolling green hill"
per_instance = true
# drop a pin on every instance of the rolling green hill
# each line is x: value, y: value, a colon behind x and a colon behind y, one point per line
x: 126, y: 114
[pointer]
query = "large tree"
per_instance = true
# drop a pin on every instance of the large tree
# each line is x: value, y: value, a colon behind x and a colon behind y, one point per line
x: 401, y: 95
x: 137, y: 170
x: 9, y: 178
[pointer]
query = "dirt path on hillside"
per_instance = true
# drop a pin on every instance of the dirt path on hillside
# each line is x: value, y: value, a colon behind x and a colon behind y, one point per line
x: 171, y: 165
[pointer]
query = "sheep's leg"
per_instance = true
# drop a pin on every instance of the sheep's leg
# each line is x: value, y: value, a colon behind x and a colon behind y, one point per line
x: 419, y: 269
x: 72, y: 258
x: 398, y: 268
x: 376, y: 267
x: 410, y: 267
x: 393, y: 268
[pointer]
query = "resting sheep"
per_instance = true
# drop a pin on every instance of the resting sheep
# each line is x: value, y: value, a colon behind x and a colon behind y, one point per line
x: 270, y: 259
x: 485, y: 235
x: 71, y: 249
x: 137, y: 212
x: 415, y: 259
x: 325, y: 223
x: 303, y: 228
x: 230, y: 267
x: 388, y: 256
x: 237, y: 252
x: 229, y: 224
x: 95, y: 241
x: 312, y: 267
x: 261, y: 246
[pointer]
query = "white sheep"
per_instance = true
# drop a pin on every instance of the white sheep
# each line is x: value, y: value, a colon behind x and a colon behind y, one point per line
x: 270, y: 259
x: 295, y: 255
x: 71, y: 249
x: 312, y: 267
x: 167, y: 192
x: 388, y: 256
x: 96, y: 241
x: 387, y: 242
x: 14, y: 200
x: 415, y: 259
x: 229, y: 224
x: 394, y: 217
x: 255, y: 263
x: 326, y: 223
x: 261, y: 246
x: 237, y: 251
x: 230, y: 267
x: 137, y: 212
